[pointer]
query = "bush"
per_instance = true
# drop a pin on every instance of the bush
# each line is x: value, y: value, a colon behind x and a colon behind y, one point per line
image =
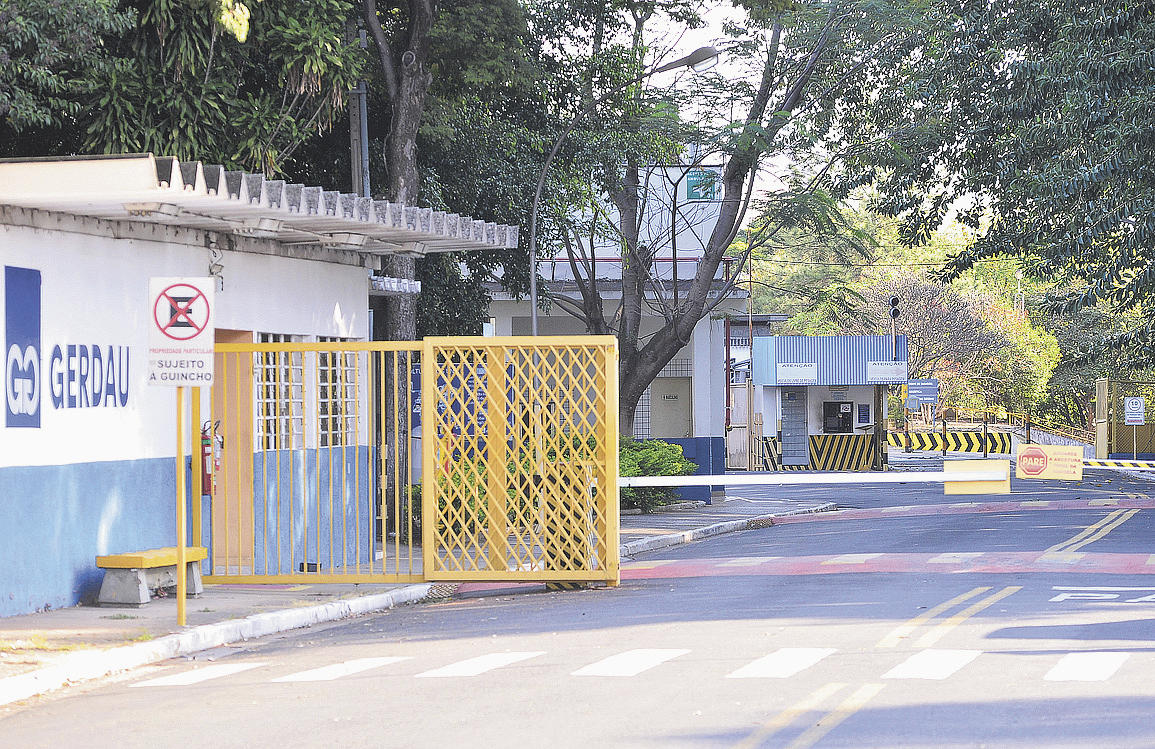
x: 651, y: 458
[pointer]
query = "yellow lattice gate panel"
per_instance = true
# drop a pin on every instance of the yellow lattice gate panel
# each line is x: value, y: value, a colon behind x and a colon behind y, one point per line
x: 316, y: 481
x: 520, y: 459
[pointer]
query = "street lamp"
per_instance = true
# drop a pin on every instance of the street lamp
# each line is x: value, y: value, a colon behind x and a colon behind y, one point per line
x: 700, y: 59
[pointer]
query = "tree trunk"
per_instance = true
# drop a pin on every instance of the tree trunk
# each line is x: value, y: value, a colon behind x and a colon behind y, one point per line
x: 407, y: 78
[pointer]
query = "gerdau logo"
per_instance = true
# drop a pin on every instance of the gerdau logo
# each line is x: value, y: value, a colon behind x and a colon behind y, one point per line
x: 21, y: 347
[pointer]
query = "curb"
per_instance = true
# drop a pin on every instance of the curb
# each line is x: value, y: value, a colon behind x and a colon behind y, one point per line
x: 729, y: 526
x: 93, y: 664
x: 692, y: 504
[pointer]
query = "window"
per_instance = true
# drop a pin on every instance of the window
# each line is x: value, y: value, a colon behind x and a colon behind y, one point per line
x: 837, y: 417
x: 642, y: 417
x: 336, y: 396
x: 280, y: 403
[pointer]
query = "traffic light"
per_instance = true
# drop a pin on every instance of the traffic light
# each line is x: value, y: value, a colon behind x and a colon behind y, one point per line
x: 894, y: 311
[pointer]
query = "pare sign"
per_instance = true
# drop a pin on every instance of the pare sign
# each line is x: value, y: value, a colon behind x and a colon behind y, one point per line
x: 1063, y: 462
x: 181, y: 332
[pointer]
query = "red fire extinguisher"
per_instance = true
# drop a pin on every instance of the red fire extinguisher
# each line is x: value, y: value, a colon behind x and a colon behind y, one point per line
x: 211, y: 444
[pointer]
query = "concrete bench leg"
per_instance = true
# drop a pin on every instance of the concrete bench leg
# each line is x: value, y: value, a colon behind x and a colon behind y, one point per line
x: 134, y: 587
x: 123, y: 588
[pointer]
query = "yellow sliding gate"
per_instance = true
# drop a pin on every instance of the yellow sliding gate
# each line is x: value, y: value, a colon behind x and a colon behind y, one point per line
x: 447, y: 459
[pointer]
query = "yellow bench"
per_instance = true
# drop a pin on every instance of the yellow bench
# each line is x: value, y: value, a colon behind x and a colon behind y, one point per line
x: 130, y: 579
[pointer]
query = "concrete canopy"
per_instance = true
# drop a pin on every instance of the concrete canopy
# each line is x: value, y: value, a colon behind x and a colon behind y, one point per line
x: 164, y: 190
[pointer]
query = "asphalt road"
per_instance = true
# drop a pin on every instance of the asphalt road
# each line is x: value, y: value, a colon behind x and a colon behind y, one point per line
x: 915, y: 619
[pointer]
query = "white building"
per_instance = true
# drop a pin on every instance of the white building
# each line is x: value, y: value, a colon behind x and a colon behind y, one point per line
x: 87, y: 447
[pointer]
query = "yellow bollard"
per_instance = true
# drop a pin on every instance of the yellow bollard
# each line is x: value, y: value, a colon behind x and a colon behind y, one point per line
x: 181, y: 550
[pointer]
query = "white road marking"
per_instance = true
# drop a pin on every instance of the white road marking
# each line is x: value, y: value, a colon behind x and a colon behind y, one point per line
x: 1062, y: 557
x: 338, y: 670
x: 746, y: 561
x: 480, y: 664
x: 932, y: 664
x: 781, y: 663
x: 1086, y: 667
x: 197, y: 675
x: 630, y: 663
x: 851, y: 559
x: 1108, y: 588
x: 954, y: 557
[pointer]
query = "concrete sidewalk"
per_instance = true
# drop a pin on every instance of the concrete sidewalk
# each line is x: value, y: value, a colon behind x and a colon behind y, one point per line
x: 51, y: 649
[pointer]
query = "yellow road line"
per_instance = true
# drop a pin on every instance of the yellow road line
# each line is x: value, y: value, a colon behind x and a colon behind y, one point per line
x: 1105, y: 530
x: 790, y: 714
x: 830, y: 721
x: 901, y: 631
x: 1095, y: 532
x: 1062, y: 546
x: 935, y: 634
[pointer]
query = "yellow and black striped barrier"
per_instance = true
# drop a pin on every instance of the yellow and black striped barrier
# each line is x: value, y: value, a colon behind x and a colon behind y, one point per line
x: 1094, y: 463
x: 828, y: 452
x: 840, y: 452
x: 959, y: 442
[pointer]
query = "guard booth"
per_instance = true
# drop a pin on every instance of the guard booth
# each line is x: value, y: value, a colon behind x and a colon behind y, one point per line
x: 1118, y: 434
x: 820, y: 401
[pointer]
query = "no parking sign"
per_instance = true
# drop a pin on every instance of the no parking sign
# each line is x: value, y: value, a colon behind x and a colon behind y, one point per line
x: 180, y: 331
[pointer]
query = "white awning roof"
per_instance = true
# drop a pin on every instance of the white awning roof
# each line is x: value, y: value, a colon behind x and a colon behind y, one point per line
x: 142, y: 187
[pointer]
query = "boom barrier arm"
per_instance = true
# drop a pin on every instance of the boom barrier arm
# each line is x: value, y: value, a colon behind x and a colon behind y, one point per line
x: 814, y: 478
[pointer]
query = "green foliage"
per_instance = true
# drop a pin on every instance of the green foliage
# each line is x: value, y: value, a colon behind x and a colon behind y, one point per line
x: 1036, y: 123
x: 48, y: 48
x: 1084, y: 338
x: 1016, y: 377
x: 196, y: 89
x: 650, y: 458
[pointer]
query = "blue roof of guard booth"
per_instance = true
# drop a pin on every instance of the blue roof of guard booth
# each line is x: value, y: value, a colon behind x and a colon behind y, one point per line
x: 827, y: 359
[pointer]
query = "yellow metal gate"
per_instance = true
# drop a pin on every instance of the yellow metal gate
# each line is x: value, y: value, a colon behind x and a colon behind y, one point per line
x: 355, y: 462
x: 520, y: 459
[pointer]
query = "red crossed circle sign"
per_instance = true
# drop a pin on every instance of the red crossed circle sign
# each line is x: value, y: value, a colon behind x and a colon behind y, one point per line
x: 181, y: 311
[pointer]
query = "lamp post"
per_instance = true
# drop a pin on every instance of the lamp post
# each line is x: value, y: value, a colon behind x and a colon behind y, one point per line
x: 700, y: 59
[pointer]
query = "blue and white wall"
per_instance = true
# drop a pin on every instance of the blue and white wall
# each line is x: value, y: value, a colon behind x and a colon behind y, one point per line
x: 87, y: 449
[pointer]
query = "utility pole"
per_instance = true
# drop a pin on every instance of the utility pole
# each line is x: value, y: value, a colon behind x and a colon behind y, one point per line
x: 359, y: 131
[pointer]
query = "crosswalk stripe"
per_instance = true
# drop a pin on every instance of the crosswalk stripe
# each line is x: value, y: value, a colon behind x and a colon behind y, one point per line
x: 337, y: 670
x: 1086, y: 666
x: 746, y: 561
x: 932, y: 664
x: 480, y: 664
x: 630, y: 663
x: 781, y: 663
x: 852, y: 558
x: 955, y: 557
x: 197, y: 675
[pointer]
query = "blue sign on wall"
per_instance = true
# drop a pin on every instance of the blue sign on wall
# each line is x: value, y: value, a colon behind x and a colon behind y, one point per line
x: 21, y: 355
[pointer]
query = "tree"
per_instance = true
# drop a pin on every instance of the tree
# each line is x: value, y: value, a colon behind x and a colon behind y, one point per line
x: 212, y: 81
x: 809, y: 82
x: 48, y: 48
x: 1083, y: 338
x: 1034, y: 120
